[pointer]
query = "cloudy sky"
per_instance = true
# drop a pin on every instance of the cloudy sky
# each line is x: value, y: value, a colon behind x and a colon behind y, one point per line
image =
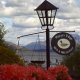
x: 19, y: 18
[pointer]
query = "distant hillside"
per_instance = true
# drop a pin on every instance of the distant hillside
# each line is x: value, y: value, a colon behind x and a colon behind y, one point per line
x: 76, y: 37
x: 41, y: 46
x: 36, y: 46
x: 11, y: 45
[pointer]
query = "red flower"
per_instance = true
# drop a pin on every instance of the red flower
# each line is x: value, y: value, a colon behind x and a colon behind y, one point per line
x: 17, y: 72
x: 60, y: 72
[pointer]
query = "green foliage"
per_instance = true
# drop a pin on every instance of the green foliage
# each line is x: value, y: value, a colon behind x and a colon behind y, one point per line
x: 2, y: 33
x: 8, y: 56
x: 73, y: 61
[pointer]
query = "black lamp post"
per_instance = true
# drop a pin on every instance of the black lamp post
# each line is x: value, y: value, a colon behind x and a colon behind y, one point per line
x: 46, y: 13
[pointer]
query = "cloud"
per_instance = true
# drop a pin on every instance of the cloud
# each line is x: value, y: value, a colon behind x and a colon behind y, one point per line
x: 25, y: 19
x: 10, y: 4
x: 7, y: 11
x: 3, y: 3
x: 27, y: 22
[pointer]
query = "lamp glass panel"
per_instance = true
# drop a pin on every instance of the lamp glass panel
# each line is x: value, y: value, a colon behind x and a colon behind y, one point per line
x: 49, y: 13
x: 53, y: 16
x: 52, y: 19
x: 42, y: 21
x: 40, y: 13
x: 43, y: 13
x: 53, y: 13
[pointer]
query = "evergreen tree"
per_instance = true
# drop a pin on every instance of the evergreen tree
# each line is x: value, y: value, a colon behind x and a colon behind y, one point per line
x: 73, y: 62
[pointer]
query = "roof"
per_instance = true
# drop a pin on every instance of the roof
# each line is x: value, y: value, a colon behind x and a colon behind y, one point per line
x: 46, y: 6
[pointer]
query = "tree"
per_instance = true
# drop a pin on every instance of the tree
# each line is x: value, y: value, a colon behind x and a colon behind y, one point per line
x: 73, y: 62
x: 8, y: 56
x: 2, y: 33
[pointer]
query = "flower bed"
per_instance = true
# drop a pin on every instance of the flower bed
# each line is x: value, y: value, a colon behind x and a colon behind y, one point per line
x: 17, y: 72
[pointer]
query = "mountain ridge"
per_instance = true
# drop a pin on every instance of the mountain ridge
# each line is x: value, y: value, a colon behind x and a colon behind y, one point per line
x: 41, y: 46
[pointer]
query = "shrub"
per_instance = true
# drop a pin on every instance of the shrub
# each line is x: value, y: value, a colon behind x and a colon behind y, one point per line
x: 18, y: 72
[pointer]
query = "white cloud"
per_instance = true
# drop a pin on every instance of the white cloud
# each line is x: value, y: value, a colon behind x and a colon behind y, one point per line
x: 3, y: 3
x: 24, y: 17
x: 26, y: 21
x: 7, y: 11
x: 29, y: 31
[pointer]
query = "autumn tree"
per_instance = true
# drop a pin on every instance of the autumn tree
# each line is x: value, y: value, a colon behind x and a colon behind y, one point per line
x: 7, y: 54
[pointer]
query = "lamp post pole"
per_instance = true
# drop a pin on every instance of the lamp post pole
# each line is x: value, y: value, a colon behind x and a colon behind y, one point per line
x: 47, y: 48
x: 47, y: 42
x: 46, y: 13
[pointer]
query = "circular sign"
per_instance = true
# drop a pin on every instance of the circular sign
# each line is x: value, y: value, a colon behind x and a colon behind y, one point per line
x: 63, y: 43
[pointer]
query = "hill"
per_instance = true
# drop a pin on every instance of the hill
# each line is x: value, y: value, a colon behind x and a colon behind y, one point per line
x: 41, y: 46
